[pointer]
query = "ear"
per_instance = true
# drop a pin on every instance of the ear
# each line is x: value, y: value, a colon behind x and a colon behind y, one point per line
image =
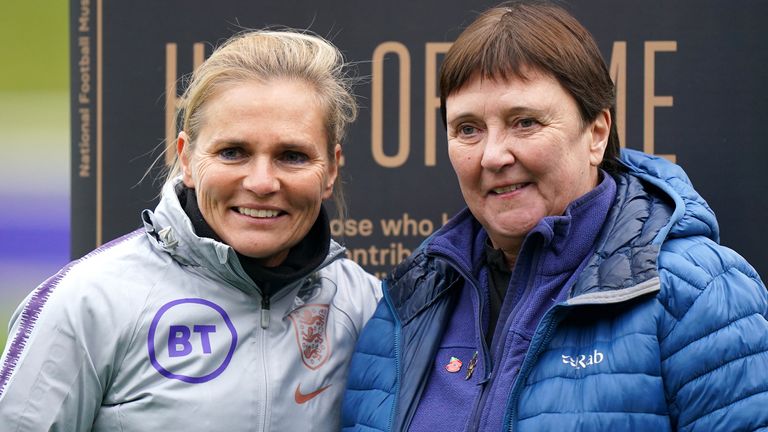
x: 600, y: 130
x: 184, y: 150
x: 333, y: 172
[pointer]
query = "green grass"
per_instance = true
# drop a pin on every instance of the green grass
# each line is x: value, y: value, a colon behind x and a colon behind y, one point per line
x: 34, y: 116
x: 35, y: 45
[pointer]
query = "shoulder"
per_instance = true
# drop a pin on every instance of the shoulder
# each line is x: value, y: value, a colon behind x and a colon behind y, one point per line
x: 713, y: 335
x: 417, y: 282
x: 694, y: 269
x: 344, y: 270
x: 355, y: 291
x: 350, y: 280
x: 708, y: 291
x: 129, y: 258
x: 110, y: 279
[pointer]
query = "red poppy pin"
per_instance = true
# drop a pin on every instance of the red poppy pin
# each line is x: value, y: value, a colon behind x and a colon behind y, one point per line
x: 454, y: 365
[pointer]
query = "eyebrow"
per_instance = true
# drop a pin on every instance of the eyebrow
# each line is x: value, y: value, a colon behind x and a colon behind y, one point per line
x: 515, y: 110
x: 460, y: 118
x: 228, y: 141
x: 285, y: 145
x: 296, y: 145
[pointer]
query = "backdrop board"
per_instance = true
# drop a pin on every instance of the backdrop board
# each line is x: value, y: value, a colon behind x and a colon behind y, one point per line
x: 689, y: 77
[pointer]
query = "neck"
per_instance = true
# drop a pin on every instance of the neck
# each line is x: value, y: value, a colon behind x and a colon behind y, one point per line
x: 511, y: 250
x: 510, y: 257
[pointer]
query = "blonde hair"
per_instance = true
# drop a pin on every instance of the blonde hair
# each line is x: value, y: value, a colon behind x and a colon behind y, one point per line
x: 264, y: 55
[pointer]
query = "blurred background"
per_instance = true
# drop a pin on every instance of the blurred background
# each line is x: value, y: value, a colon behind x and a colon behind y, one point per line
x: 34, y: 148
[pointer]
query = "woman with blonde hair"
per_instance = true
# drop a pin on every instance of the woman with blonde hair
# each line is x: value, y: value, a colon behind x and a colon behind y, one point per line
x: 232, y: 308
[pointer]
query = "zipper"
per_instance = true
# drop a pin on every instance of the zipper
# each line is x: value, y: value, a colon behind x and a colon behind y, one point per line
x: 499, y: 344
x: 487, y: 362
x: 487, y: 382
x: 264, y: 350
x: 264, y: 311
x: 528, y: 361
x: 468, y: 278
x: 396, y: 350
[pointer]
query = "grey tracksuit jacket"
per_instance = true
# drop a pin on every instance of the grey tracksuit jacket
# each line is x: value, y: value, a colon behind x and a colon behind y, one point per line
x: 163, y: 330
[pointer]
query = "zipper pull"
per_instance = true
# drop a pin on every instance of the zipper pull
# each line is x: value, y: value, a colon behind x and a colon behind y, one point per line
x: 471, y: 366
x: 264, y: 312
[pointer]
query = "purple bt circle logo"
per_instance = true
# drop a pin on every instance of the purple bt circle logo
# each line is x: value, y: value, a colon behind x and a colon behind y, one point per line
x: 191, y: 340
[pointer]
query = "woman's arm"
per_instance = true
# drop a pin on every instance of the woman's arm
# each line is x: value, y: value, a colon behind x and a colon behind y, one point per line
x: 715, y: 338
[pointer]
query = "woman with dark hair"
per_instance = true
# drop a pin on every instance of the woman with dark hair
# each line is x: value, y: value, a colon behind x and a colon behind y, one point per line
x: 583, y: 287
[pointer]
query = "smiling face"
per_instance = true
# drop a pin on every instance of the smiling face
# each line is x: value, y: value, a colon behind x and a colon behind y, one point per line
x: 260, y: 166
x: 521, y: 152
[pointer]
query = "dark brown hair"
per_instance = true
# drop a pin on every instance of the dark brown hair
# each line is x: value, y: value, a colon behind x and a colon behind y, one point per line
x: 519, y: 36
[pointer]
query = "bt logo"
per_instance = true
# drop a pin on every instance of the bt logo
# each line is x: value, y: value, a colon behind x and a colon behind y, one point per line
x: 191, y: 340
x: 178, y: 339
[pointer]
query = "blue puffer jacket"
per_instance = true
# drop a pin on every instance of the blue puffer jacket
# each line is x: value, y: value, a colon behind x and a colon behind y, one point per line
x: 664, y: 329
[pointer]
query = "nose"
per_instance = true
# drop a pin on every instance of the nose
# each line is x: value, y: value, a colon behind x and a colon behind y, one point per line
x: 261, y: 177
x: 498, y: 151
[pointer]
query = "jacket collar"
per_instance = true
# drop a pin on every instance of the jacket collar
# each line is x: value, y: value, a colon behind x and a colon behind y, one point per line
x: 569, y: 237
x: 424, y: 277
x: 655, y: 201
x: 170, y: 230
x: 692, y: 215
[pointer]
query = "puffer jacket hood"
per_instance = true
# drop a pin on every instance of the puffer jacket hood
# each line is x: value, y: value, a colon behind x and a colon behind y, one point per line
x: 692, y: 215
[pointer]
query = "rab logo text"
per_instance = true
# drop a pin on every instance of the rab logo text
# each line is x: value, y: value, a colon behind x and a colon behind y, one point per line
x: 309, y: 323
x: 584, y: 360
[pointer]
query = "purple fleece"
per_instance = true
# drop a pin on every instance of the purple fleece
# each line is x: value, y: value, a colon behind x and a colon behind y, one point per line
x: 550, y: 260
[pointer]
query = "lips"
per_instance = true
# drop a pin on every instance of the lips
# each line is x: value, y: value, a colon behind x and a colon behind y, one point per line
x: 258, y: 213
x: 508, y: 188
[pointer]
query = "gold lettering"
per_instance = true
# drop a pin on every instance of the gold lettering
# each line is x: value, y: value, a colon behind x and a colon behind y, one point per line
x: 431, y: 99
x: 379, y: 255
x: 619, y: 76
x: 198, y: 55
x: 171, y: 95
x: 651, y: 100
x: 170, y: 102
x: 377, y: 108
x: 84, y: 143
x: 84, y: 20
x: 83, y: 42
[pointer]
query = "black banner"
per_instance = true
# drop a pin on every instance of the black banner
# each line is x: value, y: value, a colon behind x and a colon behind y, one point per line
x: 689, y: 76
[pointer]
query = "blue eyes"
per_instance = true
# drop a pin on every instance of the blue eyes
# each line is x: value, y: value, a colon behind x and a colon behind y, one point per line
x: 290, y: 157
x: 467, y: 130
x: 230, y: 154
x: 294, y: 157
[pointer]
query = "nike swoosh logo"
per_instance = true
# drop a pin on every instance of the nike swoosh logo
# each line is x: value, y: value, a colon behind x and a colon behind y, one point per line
x: 304, y: 398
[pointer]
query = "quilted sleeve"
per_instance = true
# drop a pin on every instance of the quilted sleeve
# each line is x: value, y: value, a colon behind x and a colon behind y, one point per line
x: 714, y: 338
x: 371, y: 386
